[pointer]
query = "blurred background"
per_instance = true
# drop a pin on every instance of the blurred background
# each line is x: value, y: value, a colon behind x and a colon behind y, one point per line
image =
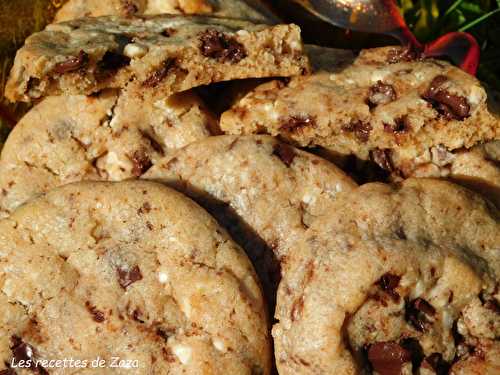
x: 428, y: 19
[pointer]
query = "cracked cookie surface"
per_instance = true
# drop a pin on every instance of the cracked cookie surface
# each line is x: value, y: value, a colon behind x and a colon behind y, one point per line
x: 265, y: 192
x: 132, y: 270
x: 251, y: 10
x: 110, y: 136
x: 379, y: 106
x: 396, y: 280
x: 161, y: 54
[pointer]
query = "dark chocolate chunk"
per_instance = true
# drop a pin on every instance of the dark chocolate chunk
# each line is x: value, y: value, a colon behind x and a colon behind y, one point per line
x: 285, y: 152
x: 127, y: 277
x: 217, y: 45
x: 361, y: 129
x: 383, y: 159
x: 417, y: 313
x: 72, y: 64
x: 449, y: 105
x: 296, y: 123
x: 159, y: 75
x: 381, y: 93
x: 388, y: 358
x: 97, y: 315
x: 388, y: 283
x: 436, y: 363
x: 141, y: 163
x: 22, y: 351
x: 109, y: 65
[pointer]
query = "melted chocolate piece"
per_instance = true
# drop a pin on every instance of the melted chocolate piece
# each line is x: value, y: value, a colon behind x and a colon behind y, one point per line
x: 451, y: 106
x: 388, y: 283
x: 97, y: 315
x: 128, y: 277
x: 296, y: 123
x: 141, y: 162
x: 388, y: 358
x: 159, y: 75
x: 417, y: 313
x: 436, y: 363
x: 217, y: 45
x: 383, y: 159
x: 22, y: 351
x: 361, y: 129
x: 109, y: 65
x: 381, y: 93
x: 72, y: 64
x: 285, y: 152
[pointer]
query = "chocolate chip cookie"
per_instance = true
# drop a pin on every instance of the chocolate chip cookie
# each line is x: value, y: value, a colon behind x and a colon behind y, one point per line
x: 265, y: 192
x: 129, y: 270
x: 251, y: 10
x: 396, y: 280
x: 477, y: 168
x: 393, y: 109
x: 160, y: 55
x: 109, y: 136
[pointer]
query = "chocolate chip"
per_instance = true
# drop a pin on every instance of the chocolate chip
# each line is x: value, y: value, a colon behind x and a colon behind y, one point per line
x: 141, y: 163
x: 72, y: 64
x: 448, y: 105
x: 164, y: 334
x: 361, y: 129
x: 22, y: 351
x: 8, y: 371
x: 127, y: 277
x: 109, y: 65
x: 401, y: 125
x: 407, y: 54
x: 388, y: 358
x: 383, y: 159
x: 217, y: 45
x: 168, y: 32
x: 388, y: 283
x: 97, y: 315
x: 296, y: 123
x: 130, y: 8
x: 297, y: 309
x: 381, y: 93
x: 136, y: 315
x: 159, y: 75
x: 285, y: 152
x: 417, y: 313
x: 145, y: 209
x: 436, y: 363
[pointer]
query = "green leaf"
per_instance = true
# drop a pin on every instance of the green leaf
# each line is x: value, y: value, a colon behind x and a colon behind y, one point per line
x: 477, y: 21
x: 454, y: 6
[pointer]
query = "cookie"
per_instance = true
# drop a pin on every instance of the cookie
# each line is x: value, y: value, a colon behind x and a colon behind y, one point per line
x: 129, y: 270
x: 382, y: 105
x: 265, y: 192
x: 65, y: 139
x: 477, y: 168
x: 163, y: 54
x: 394, y: 280
x: 251, y: 10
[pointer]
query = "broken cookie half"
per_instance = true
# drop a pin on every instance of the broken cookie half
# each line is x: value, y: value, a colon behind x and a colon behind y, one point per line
x: 158, y: 55
x: 400, y: 111
x: 251, y: 10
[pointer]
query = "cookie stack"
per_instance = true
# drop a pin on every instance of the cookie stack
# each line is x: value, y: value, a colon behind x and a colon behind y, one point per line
x: 189, y: 171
